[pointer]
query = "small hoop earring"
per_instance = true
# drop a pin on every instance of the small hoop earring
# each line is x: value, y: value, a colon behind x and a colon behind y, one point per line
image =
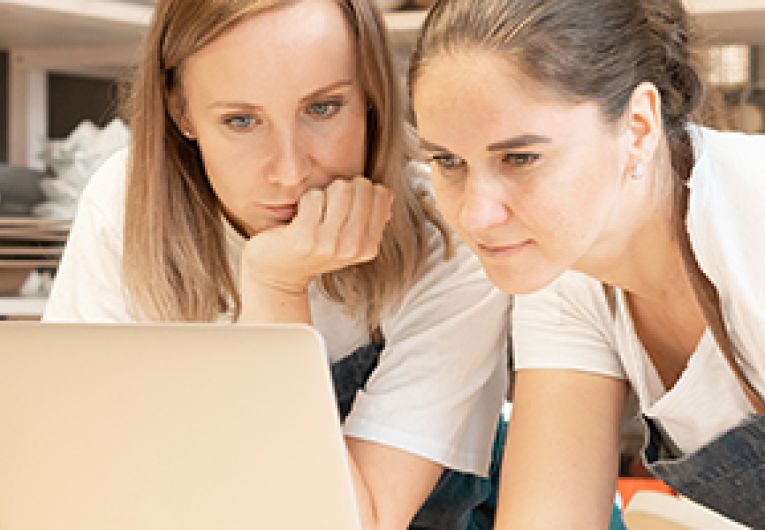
x: 638, y: 171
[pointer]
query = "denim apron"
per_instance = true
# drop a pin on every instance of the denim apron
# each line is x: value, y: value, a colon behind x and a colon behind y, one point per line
x: 727, y: 475
x: 459, y: 501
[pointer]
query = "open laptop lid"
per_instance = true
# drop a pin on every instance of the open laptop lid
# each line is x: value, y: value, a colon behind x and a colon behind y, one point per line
x: 163, y: 427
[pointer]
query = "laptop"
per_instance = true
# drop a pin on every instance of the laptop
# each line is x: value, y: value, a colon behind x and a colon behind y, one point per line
x: 169, y: 427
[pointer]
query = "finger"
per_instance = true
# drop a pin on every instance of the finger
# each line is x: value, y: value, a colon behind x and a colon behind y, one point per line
x: 305, y: 224
x: 339, y: 200
x: 380, y: 213
x: 355, y: 232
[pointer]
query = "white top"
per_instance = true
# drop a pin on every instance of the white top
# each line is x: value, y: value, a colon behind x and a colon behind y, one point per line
x: 440, y: 384
x: 568, y: 324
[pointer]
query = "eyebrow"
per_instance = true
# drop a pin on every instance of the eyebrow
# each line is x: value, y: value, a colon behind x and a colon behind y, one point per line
x: 515, y: 142
x: 428, y: 146
x: 245, y: 105
x: 333, y: 86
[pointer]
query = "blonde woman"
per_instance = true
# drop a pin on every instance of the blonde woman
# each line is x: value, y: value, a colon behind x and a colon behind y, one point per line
x: 265, y: 183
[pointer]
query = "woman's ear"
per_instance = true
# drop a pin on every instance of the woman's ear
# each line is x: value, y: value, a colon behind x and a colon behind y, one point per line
x: 177, y: 109
x: 644, y: 124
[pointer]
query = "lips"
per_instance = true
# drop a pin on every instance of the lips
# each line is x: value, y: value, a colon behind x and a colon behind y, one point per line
x: 282, y: 212
x: 498, y: 250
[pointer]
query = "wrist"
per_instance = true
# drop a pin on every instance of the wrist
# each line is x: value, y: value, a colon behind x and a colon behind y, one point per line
x: 263, y: 291
x: 255, y: 277
x: 267, y: 300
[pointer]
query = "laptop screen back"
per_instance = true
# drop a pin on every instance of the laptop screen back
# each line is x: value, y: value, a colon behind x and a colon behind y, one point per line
x: 162, y: 427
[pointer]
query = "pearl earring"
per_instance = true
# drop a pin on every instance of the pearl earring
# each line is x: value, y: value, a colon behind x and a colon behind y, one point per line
x: 638, y: 170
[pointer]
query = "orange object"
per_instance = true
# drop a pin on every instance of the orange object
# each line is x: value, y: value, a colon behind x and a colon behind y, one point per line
x: 628, y: 486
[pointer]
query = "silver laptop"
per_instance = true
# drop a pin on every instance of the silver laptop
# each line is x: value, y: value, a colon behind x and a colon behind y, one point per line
x: 165, y: 427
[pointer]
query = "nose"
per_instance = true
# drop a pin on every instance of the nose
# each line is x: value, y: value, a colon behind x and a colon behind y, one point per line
x: 483, y: 204
x: 289, y: 163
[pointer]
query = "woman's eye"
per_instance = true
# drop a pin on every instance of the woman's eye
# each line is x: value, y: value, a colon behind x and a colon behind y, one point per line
x: 521, y: 159
x: 447, y: 162
x: 241, y: 123
x: 325, y: 109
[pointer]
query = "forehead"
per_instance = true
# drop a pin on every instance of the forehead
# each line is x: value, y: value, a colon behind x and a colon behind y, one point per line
x: 306, y: 42
x: 486, y: 97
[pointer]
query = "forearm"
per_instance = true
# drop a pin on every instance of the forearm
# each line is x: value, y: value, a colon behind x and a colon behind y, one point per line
x: 364, y: 502
x: 391, y: 485
x: 561, y: 456
x: 268, y: 305
x: 566, y: 498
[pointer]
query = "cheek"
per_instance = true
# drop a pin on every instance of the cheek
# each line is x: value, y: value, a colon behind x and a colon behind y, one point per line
x: 229, y: 172
x: 340, y: 145
x: 571, y: 215
x: 352, y: 145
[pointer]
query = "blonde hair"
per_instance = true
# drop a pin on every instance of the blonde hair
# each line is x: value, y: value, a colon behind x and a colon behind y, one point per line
x: 175, y: 262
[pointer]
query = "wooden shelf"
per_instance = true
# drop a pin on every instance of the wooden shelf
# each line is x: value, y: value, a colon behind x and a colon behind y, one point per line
x: 730, y: 21
x: 722, y: 21
x: 77, y: 23
x: 41, y: 24
x: 44, y: 24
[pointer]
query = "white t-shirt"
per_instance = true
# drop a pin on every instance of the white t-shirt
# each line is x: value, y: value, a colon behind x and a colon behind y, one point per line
x: 569, y: 324
x: 440, y: 384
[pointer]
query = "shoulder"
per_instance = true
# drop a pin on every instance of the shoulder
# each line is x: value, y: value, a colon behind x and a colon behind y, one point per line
x: 105, y: 191
x: 572, y: 295
x: 724, y: 219
x: 101, y: 206
x: 729, y: 166
x: 568, y: 324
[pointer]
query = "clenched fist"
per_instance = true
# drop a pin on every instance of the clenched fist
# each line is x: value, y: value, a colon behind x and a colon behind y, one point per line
x: 333, y: 228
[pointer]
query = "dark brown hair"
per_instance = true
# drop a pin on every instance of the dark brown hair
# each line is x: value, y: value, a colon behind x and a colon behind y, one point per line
x: 594, y: 50
x: 597, y: 50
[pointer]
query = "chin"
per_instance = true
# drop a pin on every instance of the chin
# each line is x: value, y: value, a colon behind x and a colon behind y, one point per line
x: 513, y: 281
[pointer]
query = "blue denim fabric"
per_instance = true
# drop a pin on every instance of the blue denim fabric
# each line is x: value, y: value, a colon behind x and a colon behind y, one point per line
x: 351, y: 373
x: 727, y: 475
x: 459, y: 501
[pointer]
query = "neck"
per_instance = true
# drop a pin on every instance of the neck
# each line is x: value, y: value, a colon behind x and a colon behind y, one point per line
x: 652, y: 268
x: 641, y: 254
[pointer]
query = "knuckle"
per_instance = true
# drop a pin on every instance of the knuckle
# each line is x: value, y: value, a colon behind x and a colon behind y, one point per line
x: 347, y: 250
x: 312, y: 195
x: 342, y: 192
x: 303, y: 248
x: 327, y: 249
x: 369, y: 253
x: 340, y: 185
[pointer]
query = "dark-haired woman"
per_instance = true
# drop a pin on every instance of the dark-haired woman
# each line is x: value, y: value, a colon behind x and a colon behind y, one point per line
x: 562, y: 152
